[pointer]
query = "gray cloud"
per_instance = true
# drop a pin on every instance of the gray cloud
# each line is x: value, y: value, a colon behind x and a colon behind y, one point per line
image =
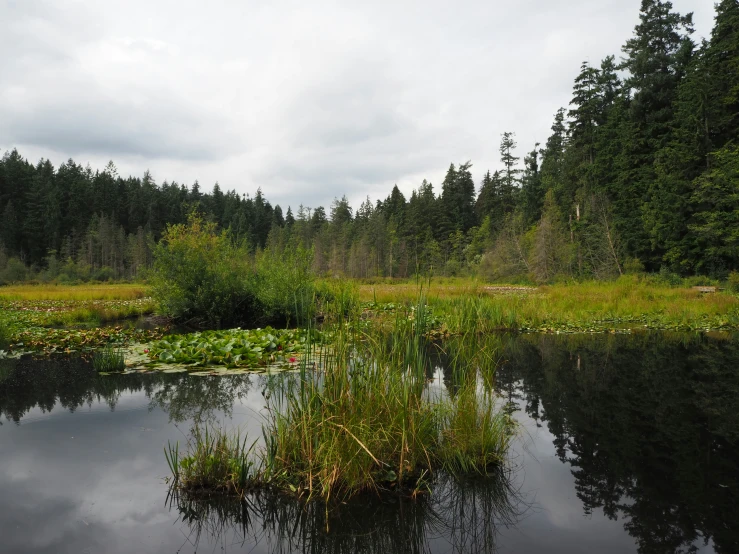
x: 308, y: 101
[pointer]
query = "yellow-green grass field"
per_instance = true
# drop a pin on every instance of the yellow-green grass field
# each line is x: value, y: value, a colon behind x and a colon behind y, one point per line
x: 628, y: 303
x: 78, y: 293
x: 63, y: 305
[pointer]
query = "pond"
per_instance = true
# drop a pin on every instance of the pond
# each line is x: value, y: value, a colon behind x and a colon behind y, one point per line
x: 626, y: 443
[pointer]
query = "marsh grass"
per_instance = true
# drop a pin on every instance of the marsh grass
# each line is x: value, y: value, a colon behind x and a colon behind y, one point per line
x: 364, y: 422
x: 465, y: 305
x: 628, y: 303
x: 215, y: 461
x: 109, y: 359
x: 74, y: 292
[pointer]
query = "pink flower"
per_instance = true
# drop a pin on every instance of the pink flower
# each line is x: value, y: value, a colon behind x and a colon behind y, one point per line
x: 293, y: 360
x: 146, y: 350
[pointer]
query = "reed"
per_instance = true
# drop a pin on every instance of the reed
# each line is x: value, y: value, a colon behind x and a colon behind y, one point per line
x: 215, y: 461
x: 109, y: 359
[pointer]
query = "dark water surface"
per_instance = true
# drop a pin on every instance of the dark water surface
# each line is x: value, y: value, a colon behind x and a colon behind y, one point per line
x: 626, y: 444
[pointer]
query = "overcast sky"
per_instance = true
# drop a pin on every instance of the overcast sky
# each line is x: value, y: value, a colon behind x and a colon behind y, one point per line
x: 307, y: 100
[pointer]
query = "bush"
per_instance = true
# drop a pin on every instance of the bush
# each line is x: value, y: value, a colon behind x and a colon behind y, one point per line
x: 732, y: 283
x: 633, y: 265
x: 15, y: 272
x: 200, y: 273
x: 700, y: 281
x: 105, y: 273
x: 666, y: 277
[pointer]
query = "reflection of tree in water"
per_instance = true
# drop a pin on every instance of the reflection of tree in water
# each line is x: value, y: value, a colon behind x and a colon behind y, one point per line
x: 649, y: 424
x: 201, y: 398
x: 73, y: 383
x: 457, y: 517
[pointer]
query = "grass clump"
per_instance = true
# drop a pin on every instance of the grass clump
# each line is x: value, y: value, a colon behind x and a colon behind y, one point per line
x: 108, y: 359
x: 215, y: 461
x: 475, y: 432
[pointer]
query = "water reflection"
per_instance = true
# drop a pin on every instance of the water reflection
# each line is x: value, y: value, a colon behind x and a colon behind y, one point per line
x: 631, y: 444
x: 458, y: 517
x: 72, y: 383
x: 649, y: 425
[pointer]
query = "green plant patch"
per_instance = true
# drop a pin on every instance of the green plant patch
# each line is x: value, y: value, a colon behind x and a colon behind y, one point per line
x: 51, y: 313
x: 41, y: 341
x: 234, y: 348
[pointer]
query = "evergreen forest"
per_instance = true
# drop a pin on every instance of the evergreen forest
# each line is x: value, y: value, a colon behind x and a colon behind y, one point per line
x: 640, y: 173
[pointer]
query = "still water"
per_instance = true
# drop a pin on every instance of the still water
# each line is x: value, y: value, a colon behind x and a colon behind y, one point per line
x: 626, y: 443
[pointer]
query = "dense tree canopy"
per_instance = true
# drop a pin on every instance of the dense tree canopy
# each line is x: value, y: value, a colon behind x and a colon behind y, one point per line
x: 639, y: 171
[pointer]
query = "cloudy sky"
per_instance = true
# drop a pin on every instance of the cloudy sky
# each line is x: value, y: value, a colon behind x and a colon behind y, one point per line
x: 307, y: 100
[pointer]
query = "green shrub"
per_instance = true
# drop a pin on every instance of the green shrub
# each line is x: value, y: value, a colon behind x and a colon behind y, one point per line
x: 200, y: 273
x: 667, y: 277
x: 732, y: 282
x: 15, y: 272
x: 700, y: 281
x: 104, y: 273
x: 633, y: 265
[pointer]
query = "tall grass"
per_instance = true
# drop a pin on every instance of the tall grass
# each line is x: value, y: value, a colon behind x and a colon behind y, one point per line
x: 215, y: 461
x: 589, y: 306
x: 110, y: 358
x: 359, y: 417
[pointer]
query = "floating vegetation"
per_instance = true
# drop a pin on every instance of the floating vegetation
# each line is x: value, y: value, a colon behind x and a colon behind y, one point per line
x: 234, y: 348
x: 109, y: 359
x: 40, y: 341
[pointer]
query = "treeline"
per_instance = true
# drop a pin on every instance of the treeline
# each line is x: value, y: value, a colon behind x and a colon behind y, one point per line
x: 640, y: 173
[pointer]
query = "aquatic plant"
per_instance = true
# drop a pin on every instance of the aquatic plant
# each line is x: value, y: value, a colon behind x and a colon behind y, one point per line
x: 108, y: 359
x: 215, y: 460
x: 232, y: 348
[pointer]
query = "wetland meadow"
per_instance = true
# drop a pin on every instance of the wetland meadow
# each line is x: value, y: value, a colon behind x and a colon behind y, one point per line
x: 409, y: 416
